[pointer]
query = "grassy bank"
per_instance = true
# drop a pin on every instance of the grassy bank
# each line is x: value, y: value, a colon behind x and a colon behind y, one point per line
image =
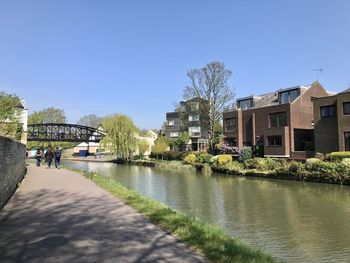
x: 173, y: 165
x: 206, y: 239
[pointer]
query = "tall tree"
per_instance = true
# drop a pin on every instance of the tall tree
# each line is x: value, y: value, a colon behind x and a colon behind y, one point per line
x: 160, y: 146
x: 90, y: 120
x: 10, y: 114
x: 48, y: 115
x: 121, y: 135
x: 210, y: 83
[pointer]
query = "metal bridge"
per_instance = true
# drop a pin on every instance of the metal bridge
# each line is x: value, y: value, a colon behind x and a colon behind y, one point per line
x: 63, y: 132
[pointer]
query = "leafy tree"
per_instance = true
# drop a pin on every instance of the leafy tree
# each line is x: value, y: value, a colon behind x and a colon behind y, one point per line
x: 160, y: 146
x: 90, y: 120
x: 10, y: 114
x: 121, y: 135
x: 48, y: 115
x: 143, y: 146
x: 210, y: 83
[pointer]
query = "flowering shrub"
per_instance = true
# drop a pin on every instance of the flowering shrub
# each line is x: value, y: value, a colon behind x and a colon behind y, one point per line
x: 244, y: 154
x: 190, y: 158
x: 224, y: 148
x: 224, y: 159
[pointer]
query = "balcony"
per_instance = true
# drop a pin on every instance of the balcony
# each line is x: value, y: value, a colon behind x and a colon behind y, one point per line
x: 195, y: 134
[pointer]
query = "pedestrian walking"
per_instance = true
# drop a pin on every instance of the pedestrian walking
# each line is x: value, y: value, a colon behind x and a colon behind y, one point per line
x: 49, y: 155
x: 38, y: 157
x: 57, y: 154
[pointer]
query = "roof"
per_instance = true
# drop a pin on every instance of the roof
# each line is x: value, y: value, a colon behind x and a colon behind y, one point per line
x: 346, y: 91
x: 270, y: 99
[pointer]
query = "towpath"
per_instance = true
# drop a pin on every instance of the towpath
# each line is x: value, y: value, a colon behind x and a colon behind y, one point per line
x: 60, y: 216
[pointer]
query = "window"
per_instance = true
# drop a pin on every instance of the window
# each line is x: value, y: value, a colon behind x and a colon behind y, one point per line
x: 174, y: 134
x: 278, y: 119
x: 346, y: 108
x: 231, y: 122
x: 327, y: 111
x: 274, y: 140
x: 194, y: 106
x: 171, y: 123
x: 289, y: 96
x: 194, y: 131
x: 193, y: 118
x: 347, y: 141
x: 245, y: 104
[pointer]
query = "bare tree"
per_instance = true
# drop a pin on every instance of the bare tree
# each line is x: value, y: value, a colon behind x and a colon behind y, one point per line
x: 90, y: 120
x: 210, y: 83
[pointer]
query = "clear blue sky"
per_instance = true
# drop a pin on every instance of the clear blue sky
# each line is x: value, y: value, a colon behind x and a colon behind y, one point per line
x: 132, y: 56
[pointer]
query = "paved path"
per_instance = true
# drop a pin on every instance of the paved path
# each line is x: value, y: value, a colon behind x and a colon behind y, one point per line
x: 60, y: 216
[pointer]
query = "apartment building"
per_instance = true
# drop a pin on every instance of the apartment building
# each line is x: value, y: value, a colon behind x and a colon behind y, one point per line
x: 189, y: 117
x: 281, y: 122
x: 332, y: 122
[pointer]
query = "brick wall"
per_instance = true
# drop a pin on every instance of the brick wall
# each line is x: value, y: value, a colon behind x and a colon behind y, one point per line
x: 12, y: 167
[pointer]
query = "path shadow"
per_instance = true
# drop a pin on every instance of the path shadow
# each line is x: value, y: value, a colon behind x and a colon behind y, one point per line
x: 58, y: 226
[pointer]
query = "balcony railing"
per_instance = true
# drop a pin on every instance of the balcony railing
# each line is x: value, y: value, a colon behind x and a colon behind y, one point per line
x: 195, y: 134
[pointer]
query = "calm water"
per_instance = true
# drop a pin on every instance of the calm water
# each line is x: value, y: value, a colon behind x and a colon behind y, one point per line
x: 294, y: 221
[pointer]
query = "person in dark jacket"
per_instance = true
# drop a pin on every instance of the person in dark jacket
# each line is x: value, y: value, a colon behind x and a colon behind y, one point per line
x: 57, y: 154
x: 48, y: 157
x: 38, y: 157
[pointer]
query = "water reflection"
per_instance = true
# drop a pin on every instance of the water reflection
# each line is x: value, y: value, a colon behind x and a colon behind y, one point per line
x: 295, y: 221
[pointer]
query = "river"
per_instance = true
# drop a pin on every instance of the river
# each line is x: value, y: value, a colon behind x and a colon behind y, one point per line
x: 293, y: 221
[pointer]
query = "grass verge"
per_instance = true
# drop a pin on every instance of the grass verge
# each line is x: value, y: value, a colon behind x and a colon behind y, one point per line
x: 206, y: 239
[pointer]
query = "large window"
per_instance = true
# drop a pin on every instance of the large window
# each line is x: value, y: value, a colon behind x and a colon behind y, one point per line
x: 346, y: 108
x: 278, y: 119
x: 231, y: 122
x: 171, y: 122
x: 194, y: 106
x: 347, y: 141
x: 327, y: 111
x: 245, y: 104
x: 274, y: 140
x: 288, y: 96
x: 192, y: 117
x: 174, y: 134
x: 194, y: 131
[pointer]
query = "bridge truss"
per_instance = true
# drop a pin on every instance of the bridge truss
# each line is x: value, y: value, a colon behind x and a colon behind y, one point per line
x: 63, y: 132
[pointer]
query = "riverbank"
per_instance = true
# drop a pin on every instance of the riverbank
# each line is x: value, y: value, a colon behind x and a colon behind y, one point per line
x: 235, y: 171
x: 206, y: 239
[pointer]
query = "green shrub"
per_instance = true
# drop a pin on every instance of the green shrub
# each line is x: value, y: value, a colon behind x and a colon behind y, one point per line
x: 234, y: 166
x: 214, y: 160
x: 265, y: 164
x: 190, y: 158
x: 339, y: 156
x: 346, y: 162
x: 319, y: 156
x: 249, y: 164
x: 296, y: 167
x: 203, y: 157
x: 312, y: 163
x: 224, y: 159
x: 245, y: 154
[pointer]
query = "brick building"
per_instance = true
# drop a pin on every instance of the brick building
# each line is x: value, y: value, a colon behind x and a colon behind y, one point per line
x: 332, y: 122
x: 280, y: 122
x: 189, y: 118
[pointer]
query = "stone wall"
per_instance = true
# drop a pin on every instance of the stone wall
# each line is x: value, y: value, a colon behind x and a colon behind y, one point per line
x: 12, y: 167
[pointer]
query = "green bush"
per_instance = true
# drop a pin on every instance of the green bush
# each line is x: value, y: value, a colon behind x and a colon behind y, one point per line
x: 264, y: 164
x: 190, y: 158
x: 319, y: 156
x: 214, y: 160
x: 249, y: 164
x: 312, y: 163
x: 339, y: 156
x: 346, y: 162
x: 245, y: 154
x: 234, y: 166
x: 296, y: 167
x: 224, y: 159
x: 203, y: 157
